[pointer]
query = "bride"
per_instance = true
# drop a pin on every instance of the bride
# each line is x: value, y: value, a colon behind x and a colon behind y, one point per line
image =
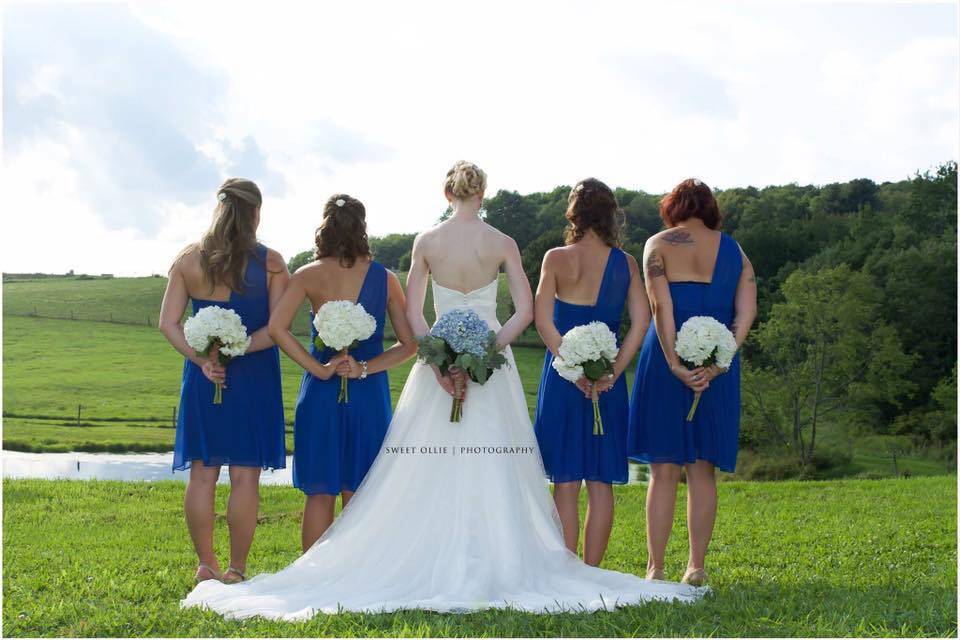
x: 452, y: 517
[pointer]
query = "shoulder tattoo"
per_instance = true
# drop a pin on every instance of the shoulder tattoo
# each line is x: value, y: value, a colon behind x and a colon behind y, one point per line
x: 655, y: 265
x: 677, y: 236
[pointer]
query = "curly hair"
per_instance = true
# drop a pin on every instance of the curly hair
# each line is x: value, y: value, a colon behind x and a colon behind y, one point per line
x: 231, y: 239
x: 592, y: 205
x: 343, y: 232
x: 691, y: 199
x: 464, y: 179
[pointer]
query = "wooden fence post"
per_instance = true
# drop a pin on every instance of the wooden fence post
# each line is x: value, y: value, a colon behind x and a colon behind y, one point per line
x: 174, y: 421
x: 78, y: 414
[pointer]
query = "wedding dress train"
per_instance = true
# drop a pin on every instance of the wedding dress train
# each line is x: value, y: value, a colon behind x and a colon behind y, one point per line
x: 451, y: 517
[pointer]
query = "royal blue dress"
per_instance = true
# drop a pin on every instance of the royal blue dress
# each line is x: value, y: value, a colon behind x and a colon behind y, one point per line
x: 247, y: 429
x: 564, y: 418
x: 335, y: 443
x: 659, y: 431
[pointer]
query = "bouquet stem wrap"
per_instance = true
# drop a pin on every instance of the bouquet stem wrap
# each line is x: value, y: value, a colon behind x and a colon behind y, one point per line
x: 597, y: 419
x: 693, y: 409
x: 218, y: 388
x: 456, y: 411
x: 344, y: 396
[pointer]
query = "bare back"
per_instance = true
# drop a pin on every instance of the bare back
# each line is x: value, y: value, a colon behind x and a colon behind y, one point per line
x: 689, y: 253
x: 326, y: 279
x: 463, y: 255
x: 579, y: 271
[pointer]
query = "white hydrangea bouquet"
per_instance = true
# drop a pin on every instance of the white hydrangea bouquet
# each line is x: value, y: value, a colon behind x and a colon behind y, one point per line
x: 587, y: 351
x: 701, y: 342
x: 215, y: 326
x: 341, y: 325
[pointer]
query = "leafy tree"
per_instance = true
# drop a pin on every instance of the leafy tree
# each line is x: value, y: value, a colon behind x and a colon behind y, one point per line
x: 828, y: 352
x: 299, y: 260
x: 390, y: 250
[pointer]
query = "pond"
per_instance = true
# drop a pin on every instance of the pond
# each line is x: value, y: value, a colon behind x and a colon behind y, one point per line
x: 140, y: 466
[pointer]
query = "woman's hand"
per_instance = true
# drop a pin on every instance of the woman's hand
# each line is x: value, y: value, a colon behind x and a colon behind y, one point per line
x: 713, y: 371
x: 449, y: 381
x: 606, y: 383
x: 693, y: 378
x: 327, y: 371
x: 585, y: 386
x: 214, y: 371
x: 349, y: 368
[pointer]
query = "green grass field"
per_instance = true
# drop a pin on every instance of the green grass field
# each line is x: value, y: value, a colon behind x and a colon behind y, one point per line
x: 836, y: 558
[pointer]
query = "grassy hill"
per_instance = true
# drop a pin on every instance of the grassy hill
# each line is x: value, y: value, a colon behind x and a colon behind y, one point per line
x: 124, y: 378
x: 809, y: 559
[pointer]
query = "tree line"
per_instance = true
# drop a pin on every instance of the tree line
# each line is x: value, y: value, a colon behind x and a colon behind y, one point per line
x: 857, y: 325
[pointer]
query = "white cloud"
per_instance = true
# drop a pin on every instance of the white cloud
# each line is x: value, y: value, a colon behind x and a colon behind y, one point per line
x: 377, y: 100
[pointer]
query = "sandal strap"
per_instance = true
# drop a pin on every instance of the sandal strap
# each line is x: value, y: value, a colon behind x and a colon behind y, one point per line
x: 236, y: 571
x: 203, y: 566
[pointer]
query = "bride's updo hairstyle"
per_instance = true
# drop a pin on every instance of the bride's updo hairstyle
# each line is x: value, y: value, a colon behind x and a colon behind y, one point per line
x: 232, y: 237
x: 691, y: 199
x: 343, y: 232
x: 592, y: 205
x: 464, y: 179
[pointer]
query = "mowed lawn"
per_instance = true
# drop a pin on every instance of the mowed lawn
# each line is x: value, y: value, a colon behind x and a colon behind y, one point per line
x: 834, y: 558
x: 126, y: 381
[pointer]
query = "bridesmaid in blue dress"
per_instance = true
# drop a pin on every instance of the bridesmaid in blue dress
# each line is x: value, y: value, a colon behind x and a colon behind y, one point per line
x: 691, y: 269
x: 590, y: 279
x: 230, y: 269
x: 335, y: 443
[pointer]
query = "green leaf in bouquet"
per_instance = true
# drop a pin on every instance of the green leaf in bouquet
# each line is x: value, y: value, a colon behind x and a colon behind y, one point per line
x: 434, y: 351
x: 593, y: 370
x: 318, y: 343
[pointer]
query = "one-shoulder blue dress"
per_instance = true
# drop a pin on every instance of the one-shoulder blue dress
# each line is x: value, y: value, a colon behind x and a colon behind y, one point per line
x: 659, y: 431
x: 247, y: 429
x: 336, y: 442
x: 564, y: 417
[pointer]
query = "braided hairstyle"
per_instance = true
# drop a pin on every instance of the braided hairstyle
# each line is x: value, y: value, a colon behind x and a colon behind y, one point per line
x: 343, y: 232
x: 464, y: 179
x: 592, y: 205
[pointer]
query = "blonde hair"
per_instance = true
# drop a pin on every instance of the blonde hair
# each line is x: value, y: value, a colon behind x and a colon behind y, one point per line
x: 232, y: 237
x: 465, y: 179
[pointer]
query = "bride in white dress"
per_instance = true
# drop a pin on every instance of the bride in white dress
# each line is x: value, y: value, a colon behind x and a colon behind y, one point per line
x: 452, y: 517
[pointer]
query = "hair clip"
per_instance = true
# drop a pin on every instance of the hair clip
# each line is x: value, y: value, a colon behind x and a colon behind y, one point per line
x: 340, y: 202
x: 579, y: 187
x: 697, y: 182
x: 222, y: 196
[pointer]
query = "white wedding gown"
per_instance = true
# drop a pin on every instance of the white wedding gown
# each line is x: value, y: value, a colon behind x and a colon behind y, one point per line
x: 452, y: 517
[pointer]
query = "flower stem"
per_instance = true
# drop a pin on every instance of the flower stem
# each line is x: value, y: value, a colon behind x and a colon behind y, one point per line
x: 218, y: 393
x: 597, y: 418
x: 693, y: 409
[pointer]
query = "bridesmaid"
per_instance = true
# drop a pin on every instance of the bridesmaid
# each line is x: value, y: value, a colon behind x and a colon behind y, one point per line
x: 335, y: 443
x: 691, y: 269
x: 230, y: 269
x: 590, y: 279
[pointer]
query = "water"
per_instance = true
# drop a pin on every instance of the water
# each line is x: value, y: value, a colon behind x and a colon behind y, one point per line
x: 112, y: 466
x: 141, y: 466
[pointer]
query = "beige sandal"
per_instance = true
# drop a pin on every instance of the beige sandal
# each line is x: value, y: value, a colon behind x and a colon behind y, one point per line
x: 240, y: 576
x: 655, y: 574
x: 205, y: 567
x: 695, y: 577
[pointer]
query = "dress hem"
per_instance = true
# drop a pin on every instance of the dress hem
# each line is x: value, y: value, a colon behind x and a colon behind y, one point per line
x: 227, y: 463
x: 646, y: 460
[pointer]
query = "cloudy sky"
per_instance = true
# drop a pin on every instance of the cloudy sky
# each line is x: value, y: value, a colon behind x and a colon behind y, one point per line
x: 120, y: 119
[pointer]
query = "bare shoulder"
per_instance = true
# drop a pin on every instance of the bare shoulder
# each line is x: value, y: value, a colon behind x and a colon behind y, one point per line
x: 393, y: 280
x: 556, y: 257
x: 507, y: 243
x: 188, y: 260
x: 308, y: 270
x: 275, y: 261
x: 631, y: 263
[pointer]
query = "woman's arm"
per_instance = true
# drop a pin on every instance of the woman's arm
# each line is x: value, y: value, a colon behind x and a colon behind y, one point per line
x: 277, y: 279
x: 279, y: 329
x: 638, y: 308
x: 745, y: 302
x: 175, y: 299
x: 417, y: 289
x: 545, y: 302
x: 658, y: 289
x: 521, y: 294
x: 406, y: 344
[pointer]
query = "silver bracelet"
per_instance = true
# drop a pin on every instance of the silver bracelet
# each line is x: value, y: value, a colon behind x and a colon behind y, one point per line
x: 363, y: 374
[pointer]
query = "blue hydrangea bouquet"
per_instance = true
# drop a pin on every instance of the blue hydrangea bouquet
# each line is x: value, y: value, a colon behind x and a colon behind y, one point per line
x: 460, y: 339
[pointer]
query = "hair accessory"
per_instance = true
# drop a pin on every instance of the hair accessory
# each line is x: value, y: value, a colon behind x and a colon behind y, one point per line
x: 222, y: 196
x: 697, y: 182
x: 579, y: 187
x: 340, y: 202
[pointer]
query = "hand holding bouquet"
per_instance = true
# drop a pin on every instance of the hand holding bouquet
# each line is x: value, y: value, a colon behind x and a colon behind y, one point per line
x: 218, y: 330
x: 588, y: 351
x: 341, y: 325
x: 703, y: 341
x: 460, y: 339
